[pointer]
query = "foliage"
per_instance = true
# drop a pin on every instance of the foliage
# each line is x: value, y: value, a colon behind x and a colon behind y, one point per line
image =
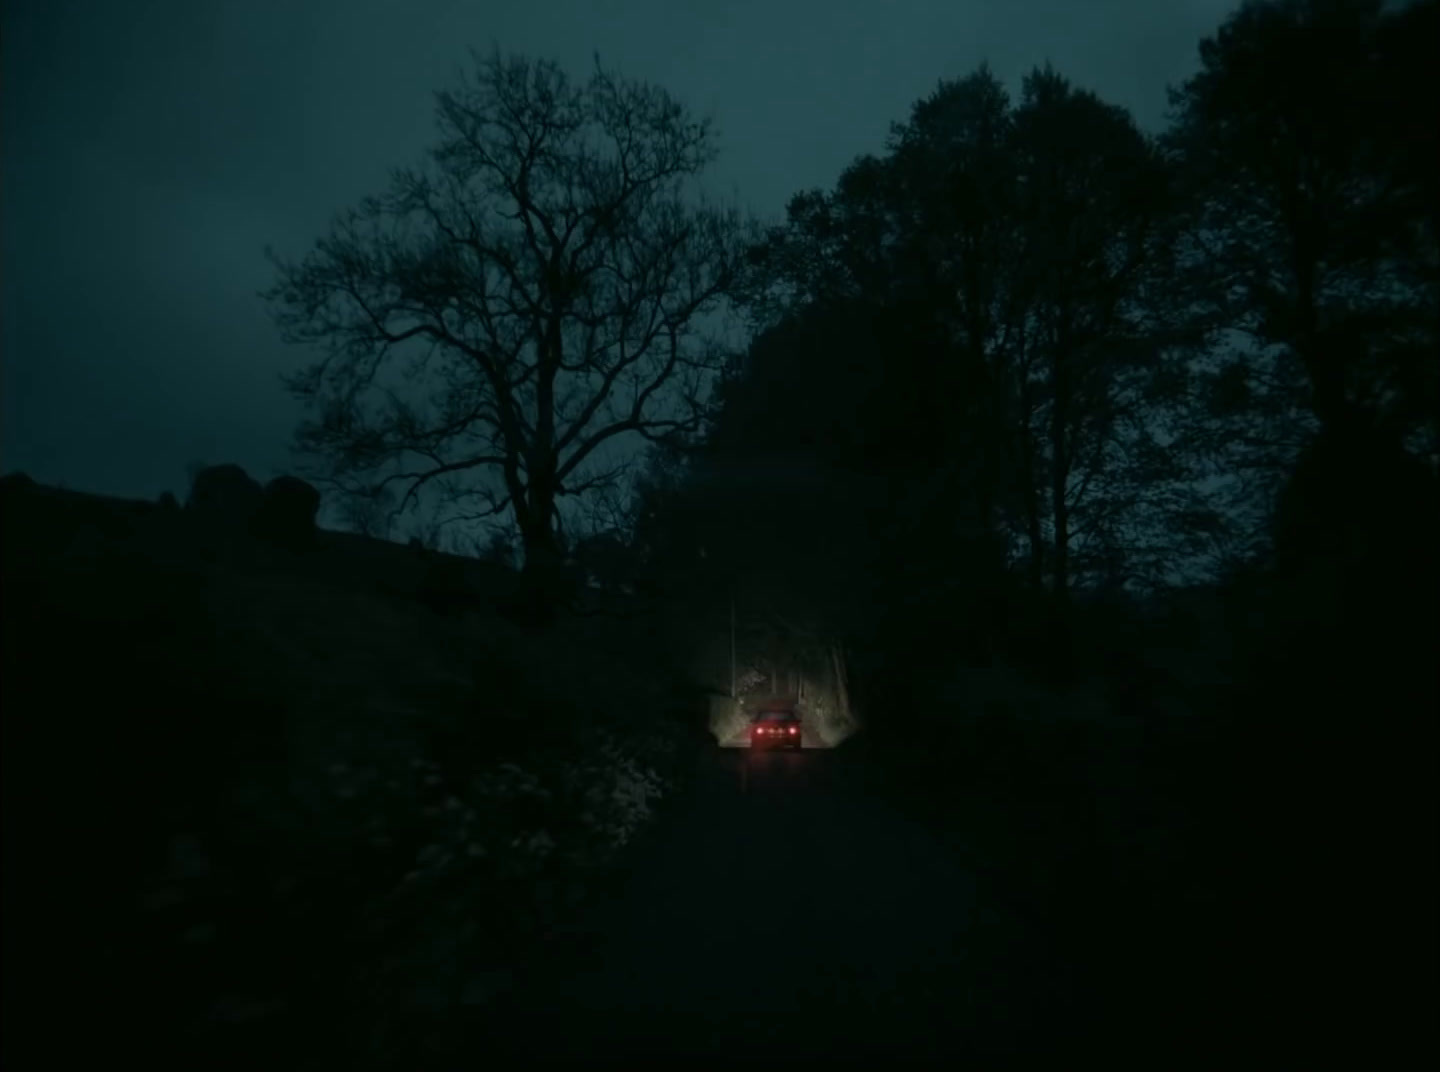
x: 963, y: 365
x: 1308, y: 148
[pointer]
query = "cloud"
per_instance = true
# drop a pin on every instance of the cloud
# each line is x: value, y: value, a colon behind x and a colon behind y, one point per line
x: 153, y: 148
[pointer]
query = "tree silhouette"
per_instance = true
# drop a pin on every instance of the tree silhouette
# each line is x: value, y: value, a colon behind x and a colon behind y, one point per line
x: 980, y: 313
x: 504, y: 317
x: 1305, y: 141
x: 1086, y: 347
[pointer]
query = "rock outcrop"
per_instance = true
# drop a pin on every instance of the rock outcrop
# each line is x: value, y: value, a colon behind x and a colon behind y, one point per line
x: 225, y: 495
x: 230, y: 503
x: 286, y: 515
x: 16, y: 482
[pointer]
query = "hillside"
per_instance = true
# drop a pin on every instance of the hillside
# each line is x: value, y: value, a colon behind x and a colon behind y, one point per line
x: 321, y: 792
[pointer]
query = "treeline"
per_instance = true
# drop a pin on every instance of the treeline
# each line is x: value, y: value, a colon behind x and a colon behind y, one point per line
x: 1030, y: 369
x: 1030, y: 356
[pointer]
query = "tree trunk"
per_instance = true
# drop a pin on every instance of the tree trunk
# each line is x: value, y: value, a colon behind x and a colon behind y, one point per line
x: 1032, y: 521
x: 542, y: 574
x: 1059, y: 481
x: 1029, y: 476
x: 1322, y: 363
x: 842, y: 686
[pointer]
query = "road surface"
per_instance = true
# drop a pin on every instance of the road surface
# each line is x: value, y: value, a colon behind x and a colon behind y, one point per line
x: 783, y: 912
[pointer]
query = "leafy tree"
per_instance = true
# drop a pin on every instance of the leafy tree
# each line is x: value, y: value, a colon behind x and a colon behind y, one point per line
x: 500, y: 322
x: 892, y: 303
x: 1003, y: 355
x: 1085, y: 346
x: 1304, y: 153
x: 1308, y: 144
x: 1307, y: 148
x: 955, y: 194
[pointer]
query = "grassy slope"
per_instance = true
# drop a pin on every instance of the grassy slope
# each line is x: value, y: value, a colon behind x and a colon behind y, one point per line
x: 312, y: 802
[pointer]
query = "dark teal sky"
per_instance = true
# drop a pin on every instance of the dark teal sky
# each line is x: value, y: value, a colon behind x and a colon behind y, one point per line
x: 149, y: 149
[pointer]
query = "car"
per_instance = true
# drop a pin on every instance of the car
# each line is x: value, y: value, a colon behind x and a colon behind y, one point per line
x: 776, y: 729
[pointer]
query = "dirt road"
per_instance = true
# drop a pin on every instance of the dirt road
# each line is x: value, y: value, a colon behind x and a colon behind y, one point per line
x: 784, y: 912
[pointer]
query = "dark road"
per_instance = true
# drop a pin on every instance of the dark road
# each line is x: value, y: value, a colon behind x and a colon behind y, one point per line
x: 784, y: 912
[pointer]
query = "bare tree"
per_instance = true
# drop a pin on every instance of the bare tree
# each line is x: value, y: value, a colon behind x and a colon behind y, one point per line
x: 498, y: 325
x: 370, y: 514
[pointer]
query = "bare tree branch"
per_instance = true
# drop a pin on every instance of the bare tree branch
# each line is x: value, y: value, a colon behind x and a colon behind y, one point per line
x: 530, y: 293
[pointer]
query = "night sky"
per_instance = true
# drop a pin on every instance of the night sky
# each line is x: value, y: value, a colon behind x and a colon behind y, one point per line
x: 152, y: 148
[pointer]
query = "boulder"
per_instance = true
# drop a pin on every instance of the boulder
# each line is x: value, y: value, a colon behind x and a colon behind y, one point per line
x: 286, y: 515
x: 16, y: 482
x: 226, y: 496
x: 444, y: 587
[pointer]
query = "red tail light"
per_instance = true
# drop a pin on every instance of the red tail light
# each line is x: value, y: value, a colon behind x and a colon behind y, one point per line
x: 794, y: 730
